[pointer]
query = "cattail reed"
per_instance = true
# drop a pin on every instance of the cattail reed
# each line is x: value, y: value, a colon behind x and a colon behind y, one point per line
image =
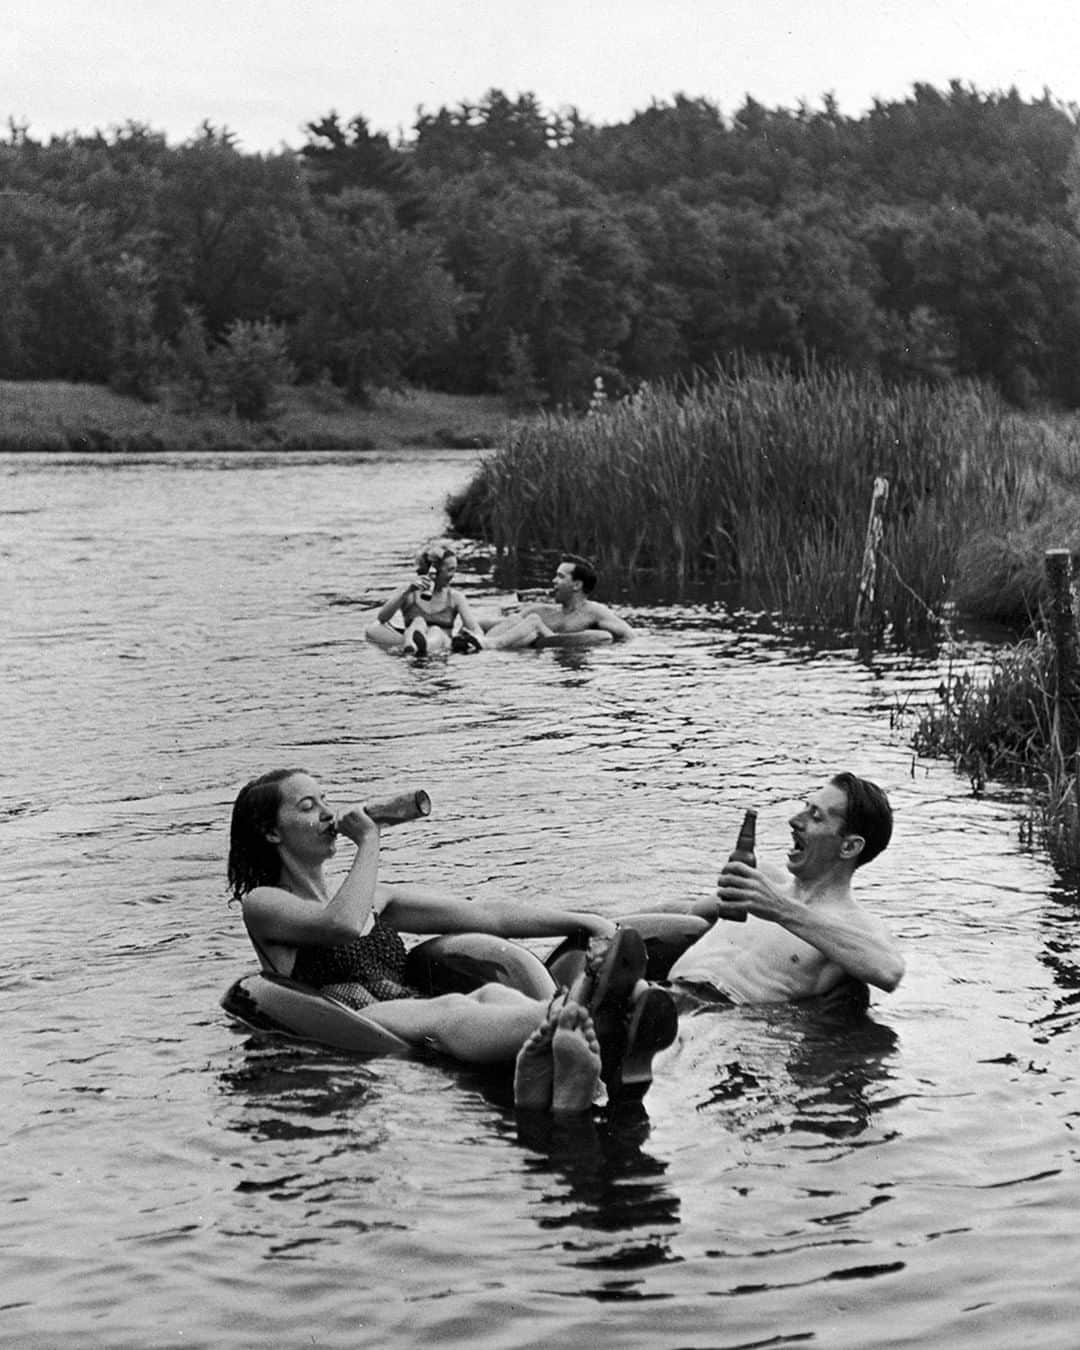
x: 762, y: 477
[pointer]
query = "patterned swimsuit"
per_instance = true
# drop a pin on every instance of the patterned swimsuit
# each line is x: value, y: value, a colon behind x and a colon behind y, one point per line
x: 367, y: 970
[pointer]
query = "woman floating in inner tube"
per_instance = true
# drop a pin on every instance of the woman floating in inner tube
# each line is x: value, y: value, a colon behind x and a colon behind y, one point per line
x: 436, y: 615
x: 346, y: 943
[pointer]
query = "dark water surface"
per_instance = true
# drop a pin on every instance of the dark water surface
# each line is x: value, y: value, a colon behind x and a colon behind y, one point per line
x: 171, y: 627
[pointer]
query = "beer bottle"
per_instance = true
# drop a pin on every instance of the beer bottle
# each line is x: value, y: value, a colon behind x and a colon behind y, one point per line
x: 746, y: 842
x: 404, y: 806
x: 744, y: 852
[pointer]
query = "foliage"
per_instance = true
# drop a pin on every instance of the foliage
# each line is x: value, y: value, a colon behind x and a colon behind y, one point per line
x: 191, y: 363
x: 518, y: 383
x: 253, y: 360
x: 997, y: 725
x: 935, y: 237
x: 1011, y: 724
x: 765, y: 477
x: 367, y: 300
x: 339, y: 158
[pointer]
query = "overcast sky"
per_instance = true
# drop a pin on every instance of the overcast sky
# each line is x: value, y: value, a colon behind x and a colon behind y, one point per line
x: 263, y: 68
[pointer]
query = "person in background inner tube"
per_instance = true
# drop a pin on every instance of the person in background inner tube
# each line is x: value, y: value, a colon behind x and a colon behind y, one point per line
x: 573, y: 612
x: 431, y: 608
x: 346, y: 943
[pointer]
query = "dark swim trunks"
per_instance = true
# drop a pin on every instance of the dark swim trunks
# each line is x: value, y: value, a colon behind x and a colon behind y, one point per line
x: 364, y: 971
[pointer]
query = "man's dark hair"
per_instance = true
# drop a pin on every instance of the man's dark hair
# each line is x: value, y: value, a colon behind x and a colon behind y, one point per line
x: 583, y: 571
x: 868, y: 814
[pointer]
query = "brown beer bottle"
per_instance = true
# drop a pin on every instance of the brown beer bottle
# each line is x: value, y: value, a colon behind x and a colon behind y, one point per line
x: 744, y: 852
x: 747, y: 841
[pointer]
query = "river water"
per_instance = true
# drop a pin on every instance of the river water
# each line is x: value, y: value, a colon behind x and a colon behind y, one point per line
x: 173, y: 626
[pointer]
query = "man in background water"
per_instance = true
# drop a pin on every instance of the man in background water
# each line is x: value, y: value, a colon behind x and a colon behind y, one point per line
x: 573, y: 611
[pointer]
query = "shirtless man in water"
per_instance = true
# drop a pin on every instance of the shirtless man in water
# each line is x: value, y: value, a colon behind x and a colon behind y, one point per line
x: 805, y: 932
x: 805, y: 935
x: 573, y: 612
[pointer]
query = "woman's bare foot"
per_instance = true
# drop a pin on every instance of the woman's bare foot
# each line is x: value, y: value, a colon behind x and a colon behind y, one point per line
x: 534, y: 1071
x: 575, y: 1052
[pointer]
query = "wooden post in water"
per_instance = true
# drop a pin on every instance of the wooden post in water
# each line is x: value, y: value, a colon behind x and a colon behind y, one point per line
x: 1063, y: 624
x: 864, y: 605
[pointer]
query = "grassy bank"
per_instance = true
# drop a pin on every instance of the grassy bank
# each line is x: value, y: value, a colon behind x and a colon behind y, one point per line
x: 77, y: 418
x: 1009, y: 725
x: 766, y: 479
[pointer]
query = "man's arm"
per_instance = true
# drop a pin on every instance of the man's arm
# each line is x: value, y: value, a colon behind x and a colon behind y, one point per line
x: 859, y: 946
x: 609, y: 622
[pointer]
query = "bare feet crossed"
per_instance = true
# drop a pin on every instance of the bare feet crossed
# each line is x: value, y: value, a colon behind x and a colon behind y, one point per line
x: 558, y: 1067
x: 607, y: 1026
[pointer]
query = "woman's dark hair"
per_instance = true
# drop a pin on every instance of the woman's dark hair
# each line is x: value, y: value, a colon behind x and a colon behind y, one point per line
x: 868, y: 814
x: 253, y: 859
x: 583, y: 571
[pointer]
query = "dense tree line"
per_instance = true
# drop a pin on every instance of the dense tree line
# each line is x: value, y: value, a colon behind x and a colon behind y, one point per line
x: 501, y: 247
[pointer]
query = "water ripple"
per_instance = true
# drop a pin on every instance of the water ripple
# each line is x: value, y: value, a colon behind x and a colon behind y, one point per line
x: 175, y: 625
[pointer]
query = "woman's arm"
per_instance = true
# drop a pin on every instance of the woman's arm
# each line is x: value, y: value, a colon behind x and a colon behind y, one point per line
x: 396, y: 601
x: 276, y: 915
x: 416, y: 910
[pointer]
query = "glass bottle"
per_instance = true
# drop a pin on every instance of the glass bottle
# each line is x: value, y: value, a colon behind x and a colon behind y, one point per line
x: 744, y: 852
x: 404, y: 806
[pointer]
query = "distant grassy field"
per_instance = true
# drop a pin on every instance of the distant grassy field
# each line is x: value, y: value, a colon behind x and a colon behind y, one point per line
x: 53, y: 416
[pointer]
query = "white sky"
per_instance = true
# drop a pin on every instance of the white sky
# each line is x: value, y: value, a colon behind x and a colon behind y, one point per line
x: 263, y: 68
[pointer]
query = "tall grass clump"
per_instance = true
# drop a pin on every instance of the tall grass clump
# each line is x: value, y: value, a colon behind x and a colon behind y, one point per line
x: 1009, y: 724
x: 1000, y: 572
x: 764, y: 477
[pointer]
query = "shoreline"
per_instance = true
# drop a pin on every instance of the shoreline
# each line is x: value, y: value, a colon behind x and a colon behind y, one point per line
x: 53, y: 417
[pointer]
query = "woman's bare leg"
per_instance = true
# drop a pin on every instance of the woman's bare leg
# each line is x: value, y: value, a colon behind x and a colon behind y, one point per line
x: 501, y: 993
x: 477, y: 1028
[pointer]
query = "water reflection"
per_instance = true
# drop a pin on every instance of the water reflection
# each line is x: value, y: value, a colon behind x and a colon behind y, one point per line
x: 292, y: 1093
x: 588, y: 1174
x: 601, y: 1164
x: 597, y: 1177
x: 839, y: 1069
x: 1061, y: 956
x: 793, y: 1069
x: 595, y: 779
